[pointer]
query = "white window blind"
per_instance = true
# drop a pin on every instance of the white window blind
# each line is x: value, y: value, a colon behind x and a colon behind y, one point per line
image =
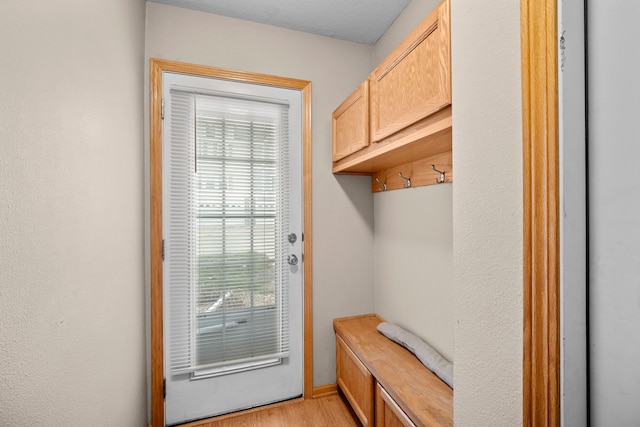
x: 229, y: 211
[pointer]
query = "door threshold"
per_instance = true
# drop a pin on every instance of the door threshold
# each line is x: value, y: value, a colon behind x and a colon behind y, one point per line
x: 204, y: 421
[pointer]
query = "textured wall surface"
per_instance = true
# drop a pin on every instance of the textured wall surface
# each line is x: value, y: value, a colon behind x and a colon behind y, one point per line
x: 342, y: 205
x: 487, y: 212
x: 413, y: 259
x: 71, y: 199
x: 72, y: 338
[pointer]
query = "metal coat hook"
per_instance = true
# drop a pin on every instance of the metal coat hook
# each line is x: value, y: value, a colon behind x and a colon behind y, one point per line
x: 384, y: 184
x: 408, y: 184
x: 441, y: 180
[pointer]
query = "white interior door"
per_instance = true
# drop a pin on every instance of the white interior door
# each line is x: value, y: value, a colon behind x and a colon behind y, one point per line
x: 232, y: 227
x: 614, y: 211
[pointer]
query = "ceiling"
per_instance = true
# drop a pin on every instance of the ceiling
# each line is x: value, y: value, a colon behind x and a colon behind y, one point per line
x: 360, y: 21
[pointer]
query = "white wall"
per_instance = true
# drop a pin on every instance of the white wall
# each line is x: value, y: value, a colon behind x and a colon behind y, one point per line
x: 487, y: 212
x: 342, y: 206
x: 71, y: 326
x: 413, y: 262
x: 614, y: 212
x: 483, y: 278
x: 406, y: 22
x: 72, y: 337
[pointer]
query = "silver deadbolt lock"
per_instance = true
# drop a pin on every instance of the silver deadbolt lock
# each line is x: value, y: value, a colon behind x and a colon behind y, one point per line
x: 292, y: 238
x: 292, y: 259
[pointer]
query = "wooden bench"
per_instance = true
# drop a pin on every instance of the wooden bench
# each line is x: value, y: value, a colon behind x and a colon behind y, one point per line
x: 385, y: 383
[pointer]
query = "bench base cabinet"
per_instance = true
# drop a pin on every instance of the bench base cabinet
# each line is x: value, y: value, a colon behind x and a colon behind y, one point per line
x: 355, y: 381
x: 385, y: 384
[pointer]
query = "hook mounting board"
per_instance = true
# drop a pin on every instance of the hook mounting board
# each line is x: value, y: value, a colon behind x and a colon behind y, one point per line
x: 420, y: 172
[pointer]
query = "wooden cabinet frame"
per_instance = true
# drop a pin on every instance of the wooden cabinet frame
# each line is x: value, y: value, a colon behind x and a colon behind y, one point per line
x: 409, y: 113
x: 402, y: 88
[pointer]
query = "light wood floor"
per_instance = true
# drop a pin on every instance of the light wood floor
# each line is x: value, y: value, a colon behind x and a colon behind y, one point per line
x: 328, y: 411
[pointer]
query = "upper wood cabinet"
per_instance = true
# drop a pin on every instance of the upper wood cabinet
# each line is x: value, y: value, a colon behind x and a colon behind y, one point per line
x: 414, y: 81
x: 351, y: 123
x: 399, y: 119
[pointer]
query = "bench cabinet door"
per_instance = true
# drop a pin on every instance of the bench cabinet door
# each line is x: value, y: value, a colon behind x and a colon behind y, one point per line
x: 388, y: 413
x: 355, y: 381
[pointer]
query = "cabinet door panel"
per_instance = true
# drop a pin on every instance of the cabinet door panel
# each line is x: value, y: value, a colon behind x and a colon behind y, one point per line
x: 388, y: 413
x: 351, y: 123
x: 355, y: 381
x: 414, y: 81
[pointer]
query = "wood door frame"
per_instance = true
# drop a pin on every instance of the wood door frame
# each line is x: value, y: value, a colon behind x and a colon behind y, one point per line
x: 157, y: 66
x: 541, y: 305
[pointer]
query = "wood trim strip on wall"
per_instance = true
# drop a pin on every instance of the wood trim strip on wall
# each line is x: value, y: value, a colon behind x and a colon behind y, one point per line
x: 157, y: 66
x: 308, y: 241
x: 157, y: 334
x: 541, y: 350
x: 325, y: 390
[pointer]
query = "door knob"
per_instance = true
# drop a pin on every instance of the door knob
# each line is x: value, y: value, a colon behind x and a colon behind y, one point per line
x: 292, y: 238
x: 292, y: 259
